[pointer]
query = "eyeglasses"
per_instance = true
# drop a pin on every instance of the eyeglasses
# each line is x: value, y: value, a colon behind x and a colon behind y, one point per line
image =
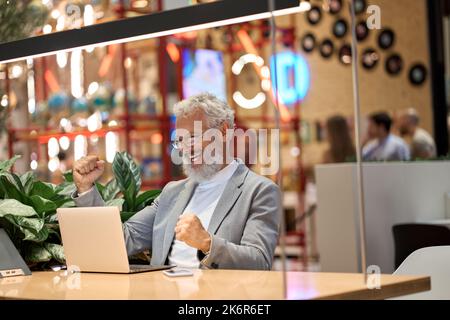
x: 187, y: 142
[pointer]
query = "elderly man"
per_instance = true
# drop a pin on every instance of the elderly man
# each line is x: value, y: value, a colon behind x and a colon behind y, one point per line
x: 221, y: 216
x: 421, y: 143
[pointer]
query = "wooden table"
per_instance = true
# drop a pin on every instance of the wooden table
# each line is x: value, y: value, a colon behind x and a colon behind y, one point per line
x: 206, y: 284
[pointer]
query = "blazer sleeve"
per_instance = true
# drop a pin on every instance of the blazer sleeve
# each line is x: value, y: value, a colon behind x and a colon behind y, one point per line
x: 138, y: 230
x: 259, y: 238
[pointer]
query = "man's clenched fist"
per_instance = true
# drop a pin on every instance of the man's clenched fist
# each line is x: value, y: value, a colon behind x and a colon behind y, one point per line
x: 86, y: 171
x: 189, y: 229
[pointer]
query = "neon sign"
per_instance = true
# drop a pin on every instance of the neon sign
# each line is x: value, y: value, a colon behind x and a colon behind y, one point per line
x: 293, y: 77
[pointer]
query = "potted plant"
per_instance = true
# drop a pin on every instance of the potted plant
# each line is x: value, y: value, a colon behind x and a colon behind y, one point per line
x: 28, y: 207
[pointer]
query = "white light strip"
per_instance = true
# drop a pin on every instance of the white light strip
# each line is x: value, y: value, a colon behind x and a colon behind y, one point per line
x: 259, y: 16
x: 80, y: 147
x: 76, y: 74
x: 89, y: 15
x: 61, y: 59
x: 31, y: 90
x: 111, y: 143
x: 252, y: 103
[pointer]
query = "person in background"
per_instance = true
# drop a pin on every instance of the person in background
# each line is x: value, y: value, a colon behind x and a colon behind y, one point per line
x: 420, y: 142
x: 383, y: 146
x: 341, y: 148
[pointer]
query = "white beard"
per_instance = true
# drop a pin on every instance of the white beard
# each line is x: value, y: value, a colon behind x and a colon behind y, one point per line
x: 202, y: 172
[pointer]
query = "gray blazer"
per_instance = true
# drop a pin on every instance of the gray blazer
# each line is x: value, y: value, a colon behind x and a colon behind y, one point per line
x: 244, y: 226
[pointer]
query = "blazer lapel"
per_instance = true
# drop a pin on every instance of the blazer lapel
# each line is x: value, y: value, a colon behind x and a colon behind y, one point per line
x: 229, y: 197
x: 181, y: 203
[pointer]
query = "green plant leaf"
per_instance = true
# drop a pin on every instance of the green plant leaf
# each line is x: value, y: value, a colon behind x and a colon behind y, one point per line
x: 128, y: 176
x: 65, y: 189
x: 100, y: 188
x: 56, y: 250
x: 146, y: 198
x: 17, y: 182
x: 27, y: 180
x: 68, y: 204
x: 130, y: 198
x: 7, y: 164
x: 37, y: 253
x: 68, y: 176
x: 51, y: 219
x: 61, y: 200
x: 125, y: 169
x: 43, y: 189
x: 42, y: 205
x: 115, y: 203
x: 32, y: 228
x: 11, y: 190
x: 16, y: 208
x: 125, y: 215
x: 111, y: 190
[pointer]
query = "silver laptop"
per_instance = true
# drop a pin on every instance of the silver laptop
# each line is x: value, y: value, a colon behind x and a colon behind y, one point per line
x: 93, y: 241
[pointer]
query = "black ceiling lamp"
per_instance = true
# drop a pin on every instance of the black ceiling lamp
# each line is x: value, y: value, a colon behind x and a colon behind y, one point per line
x: 369, y: 59
x: 335, y: 6
x: 345, y: 54
x: 314, y: 15
x: 360, y: 6
x: 418, y: 74
x: 362, y: 32
x: 394, y: 64
x: 308, y: 42
x: 326, y: 48
x: 386, y: 39
x: 148, y: 26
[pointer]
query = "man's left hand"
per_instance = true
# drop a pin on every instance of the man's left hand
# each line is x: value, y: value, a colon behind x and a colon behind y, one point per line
x: 189, y: 229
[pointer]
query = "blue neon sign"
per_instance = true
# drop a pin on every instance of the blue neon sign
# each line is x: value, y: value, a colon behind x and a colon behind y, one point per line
x: 293, y: 77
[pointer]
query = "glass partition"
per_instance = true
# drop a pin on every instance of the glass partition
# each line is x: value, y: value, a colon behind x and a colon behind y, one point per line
x: 120, y: 97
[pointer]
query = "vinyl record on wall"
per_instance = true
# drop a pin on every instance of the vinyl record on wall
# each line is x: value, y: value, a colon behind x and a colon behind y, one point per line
x: 326, y: 48
x: 386, y: 39
x: 369, y: 59
x: 418, y: 74
x: 314, y: 15
x: 345, y: 54
x: 335, y: 6
x: 340, y: 28
x: 361, y: 31
x: 394, y: 64
x: 360, y: 6
x: 308, y: 42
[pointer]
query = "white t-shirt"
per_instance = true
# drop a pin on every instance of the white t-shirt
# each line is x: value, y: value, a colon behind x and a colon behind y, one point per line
x: 203, y: 203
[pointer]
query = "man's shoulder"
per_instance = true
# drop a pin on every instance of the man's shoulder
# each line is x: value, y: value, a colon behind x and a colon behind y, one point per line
x: 422, y: 136
x: 173, y: 188
x: 174, y: 185
x: 371, y: 143
x: 256, y: 180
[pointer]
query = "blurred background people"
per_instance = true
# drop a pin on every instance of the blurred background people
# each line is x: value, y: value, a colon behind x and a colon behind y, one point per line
x: 383, y: 145
x: 420, y: 142
x: 341, y: 148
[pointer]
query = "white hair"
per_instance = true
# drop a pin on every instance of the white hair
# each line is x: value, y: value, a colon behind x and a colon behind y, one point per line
x: 217, y: 111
